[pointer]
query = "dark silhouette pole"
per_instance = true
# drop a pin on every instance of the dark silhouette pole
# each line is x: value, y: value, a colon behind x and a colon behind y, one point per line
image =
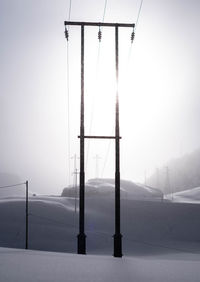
x: 117, y: 236
x: 81, y: 235
x: 26, y: 246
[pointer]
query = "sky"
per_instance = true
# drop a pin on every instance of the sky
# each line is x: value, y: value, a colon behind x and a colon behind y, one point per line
x: 40, y: 92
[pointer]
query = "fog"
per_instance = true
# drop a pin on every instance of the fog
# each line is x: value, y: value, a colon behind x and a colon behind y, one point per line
x: 159, y: 88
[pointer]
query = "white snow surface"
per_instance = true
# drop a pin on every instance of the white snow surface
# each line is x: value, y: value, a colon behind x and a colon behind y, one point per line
x: 32, y: 266
x: 147, y: 227
x: 188, y: 196
x: 160, y: 241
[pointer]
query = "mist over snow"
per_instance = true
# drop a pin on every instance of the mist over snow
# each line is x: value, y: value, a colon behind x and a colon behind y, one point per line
x: 105, y: 188
x: 178, y: 174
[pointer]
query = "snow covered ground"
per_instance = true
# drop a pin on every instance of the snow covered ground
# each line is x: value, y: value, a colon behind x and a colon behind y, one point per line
x: 160, y: 238
x: 32, y: 266
x: 147, y: 227
x: 188, y: 196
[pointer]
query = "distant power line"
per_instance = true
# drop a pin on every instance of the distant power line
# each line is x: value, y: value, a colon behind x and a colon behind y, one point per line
x: 139, y: 12
x: 14, y: 185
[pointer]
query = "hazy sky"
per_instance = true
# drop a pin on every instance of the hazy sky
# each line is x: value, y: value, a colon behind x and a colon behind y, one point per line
x: 159, y: 89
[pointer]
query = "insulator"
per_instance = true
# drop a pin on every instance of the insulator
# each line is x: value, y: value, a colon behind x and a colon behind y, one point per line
x: 99, y: 35
x: 66, y: 34
x: 132, y: 36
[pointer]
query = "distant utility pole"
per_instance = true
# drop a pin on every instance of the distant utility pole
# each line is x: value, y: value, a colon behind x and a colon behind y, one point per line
x: 75, y: 173
x: 168, y: 186
x: 75, y: 187
x: 97, y: 158
x: 26, y: 245
x: 145, y: 177
x: 117, y: 236
x: 157, y: 178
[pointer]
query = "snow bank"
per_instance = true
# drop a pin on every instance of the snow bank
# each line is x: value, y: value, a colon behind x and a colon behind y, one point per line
x: 148, y: 227
x: 31, y: 266
x: 105, y: 188
x: 190, y: 196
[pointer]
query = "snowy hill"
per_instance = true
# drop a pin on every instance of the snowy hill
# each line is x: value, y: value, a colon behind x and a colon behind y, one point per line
x: 148, y: 227
x: 105, y: 188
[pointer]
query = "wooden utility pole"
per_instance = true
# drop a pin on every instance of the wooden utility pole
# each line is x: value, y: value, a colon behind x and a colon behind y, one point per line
x: 117, y: 236
x: 26, y: 245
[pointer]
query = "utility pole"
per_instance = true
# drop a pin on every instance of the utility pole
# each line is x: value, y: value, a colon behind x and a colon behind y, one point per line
x: 117, y: 236
x: 168, y: 184
x: 75, y: 173
x: 97, y: 158
x: 145, y: 177
x: 26, y: 245
x: 157, y: 178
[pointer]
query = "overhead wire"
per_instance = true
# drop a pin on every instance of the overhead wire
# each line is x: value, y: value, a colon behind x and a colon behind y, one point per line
x: 14, y: 185
x: 128, y: 60
x: 104, y: 11
x: 135, y: 28
x: 139, y: 12
x: 68, y: 99
x: 97, y: 68
x: 70, y: 7
x: 107, y: 155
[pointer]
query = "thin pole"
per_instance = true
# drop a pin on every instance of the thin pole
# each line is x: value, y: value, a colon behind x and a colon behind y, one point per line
x: 145, y: 177
x: 26, y: 246
x: 76, y: 173
x: 97, y: 158
x: 117, y: 236
x: 81, y: 235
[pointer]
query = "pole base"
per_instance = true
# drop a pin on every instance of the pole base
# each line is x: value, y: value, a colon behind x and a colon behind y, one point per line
x: 117, y: 245
x: 81, y: 244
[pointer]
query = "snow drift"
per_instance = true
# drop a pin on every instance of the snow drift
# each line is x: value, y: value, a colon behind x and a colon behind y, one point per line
x: 105, y: 188
x: 190, y: 196
x: 147, y: 227
x: 31, y: 266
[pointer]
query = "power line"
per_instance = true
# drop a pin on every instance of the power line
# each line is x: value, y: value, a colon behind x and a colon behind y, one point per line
x: 68, y: 115
x: 97, y: 158
x: 68, y: 97
x: 93, y: 105
x: 128, y: 60
x: 14, y: 185
x: 104, y: 12
x: 70, y: 7
x: 107, y: 154
x: 97, y: 68
x: 139, y: 12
